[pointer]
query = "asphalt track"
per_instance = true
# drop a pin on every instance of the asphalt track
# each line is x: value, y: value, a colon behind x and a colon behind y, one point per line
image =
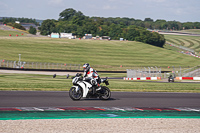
x: 118, y: 99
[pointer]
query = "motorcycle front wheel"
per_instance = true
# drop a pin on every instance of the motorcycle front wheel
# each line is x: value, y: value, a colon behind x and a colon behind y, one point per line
x: 75, y: 95
x: 105, y: 93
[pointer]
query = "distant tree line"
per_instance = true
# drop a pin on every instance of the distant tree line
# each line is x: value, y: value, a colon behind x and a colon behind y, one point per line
x: 149, y: 23
x: 6, y: 20
x: 72, y: 21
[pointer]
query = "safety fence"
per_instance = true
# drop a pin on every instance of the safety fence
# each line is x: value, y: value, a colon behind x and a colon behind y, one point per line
x: 134, y: 72
x: 38, y: 65
x: 144, y: 72
x: 186, y: 71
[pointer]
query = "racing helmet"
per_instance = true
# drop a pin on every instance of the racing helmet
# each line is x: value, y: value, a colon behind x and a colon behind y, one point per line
x: 86, y: 66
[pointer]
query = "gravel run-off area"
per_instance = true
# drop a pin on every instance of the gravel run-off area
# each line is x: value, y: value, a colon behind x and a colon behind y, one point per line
x: 108, y: 125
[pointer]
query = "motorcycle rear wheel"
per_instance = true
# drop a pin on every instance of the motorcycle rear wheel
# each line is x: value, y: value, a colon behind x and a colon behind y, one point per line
x: 106, y: 94
x: 75, y: 95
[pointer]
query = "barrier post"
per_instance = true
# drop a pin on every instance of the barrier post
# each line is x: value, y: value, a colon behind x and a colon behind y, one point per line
x: 11, y: 64
x: 156, y: 71
x: 149, y: 71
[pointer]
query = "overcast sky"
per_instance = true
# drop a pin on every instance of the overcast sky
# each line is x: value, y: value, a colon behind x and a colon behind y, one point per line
x: 179, y: 10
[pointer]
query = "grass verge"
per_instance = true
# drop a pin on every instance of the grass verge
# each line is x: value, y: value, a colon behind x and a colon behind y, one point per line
x: 32, y: 82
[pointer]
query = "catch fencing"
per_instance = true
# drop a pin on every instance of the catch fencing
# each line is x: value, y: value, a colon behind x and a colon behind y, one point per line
x: 156, y: 72
x: 144, y: 72
x: 131, y: 73
x: 38, y: 65
x: 186, y: 71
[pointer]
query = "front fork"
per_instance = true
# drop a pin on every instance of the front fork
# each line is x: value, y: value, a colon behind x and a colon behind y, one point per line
x: 77, y: 88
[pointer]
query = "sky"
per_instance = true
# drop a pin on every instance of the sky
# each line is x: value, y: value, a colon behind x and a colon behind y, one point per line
x: 170, y: 10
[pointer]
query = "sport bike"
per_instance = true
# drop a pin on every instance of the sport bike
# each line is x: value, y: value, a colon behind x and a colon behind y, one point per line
x: 83, y: 88
x: 170, y: 78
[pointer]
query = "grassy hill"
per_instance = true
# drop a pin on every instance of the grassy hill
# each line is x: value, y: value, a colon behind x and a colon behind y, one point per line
x: 7, y: 30
x: 104, y: 55
x: 13, y: 33
x: 192, y: 42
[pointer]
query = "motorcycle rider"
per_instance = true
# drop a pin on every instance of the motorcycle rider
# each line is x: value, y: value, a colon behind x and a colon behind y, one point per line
x: 91, y: 76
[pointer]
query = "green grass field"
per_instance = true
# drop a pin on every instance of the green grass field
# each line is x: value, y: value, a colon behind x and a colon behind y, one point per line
x: 105, y: 55
x: 30, y: 82
x: 12, y: 33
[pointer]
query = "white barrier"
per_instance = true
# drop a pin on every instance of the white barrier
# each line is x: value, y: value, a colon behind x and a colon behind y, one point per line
x: 188, y: 78
x: 144, y: 78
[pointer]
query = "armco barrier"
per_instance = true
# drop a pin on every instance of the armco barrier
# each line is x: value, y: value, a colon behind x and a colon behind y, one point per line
x: 144, y: 78
x: 188, y: 78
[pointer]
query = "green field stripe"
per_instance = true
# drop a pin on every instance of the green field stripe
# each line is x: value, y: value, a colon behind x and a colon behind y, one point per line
x: 25, y: 115
x: 173, y: 42
x: 197, y: 49
x: 169, y: 40
x: 188, y: 43
x: 180, y: 42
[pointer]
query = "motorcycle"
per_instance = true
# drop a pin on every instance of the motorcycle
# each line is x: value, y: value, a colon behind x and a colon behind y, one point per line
x: 170, y: 78
x: 83, y: 88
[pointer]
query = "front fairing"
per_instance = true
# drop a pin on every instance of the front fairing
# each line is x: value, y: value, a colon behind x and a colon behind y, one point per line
x: 85, y: 87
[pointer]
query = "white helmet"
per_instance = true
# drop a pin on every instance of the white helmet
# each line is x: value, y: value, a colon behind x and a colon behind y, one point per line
x: 86, y: 66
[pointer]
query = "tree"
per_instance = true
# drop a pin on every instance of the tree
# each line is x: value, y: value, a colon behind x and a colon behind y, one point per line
x: 148, y: 19
x: 197, y: 25
x: 132, y: 34
x: 174, y: 25
x: 18, y: 26
x: 6, y: 21
x: 188, y: 25
x: 32, y: 30
x: 115, y: 31
x: 47, y: 27
x: 80, y: 32
x: 67, y: 14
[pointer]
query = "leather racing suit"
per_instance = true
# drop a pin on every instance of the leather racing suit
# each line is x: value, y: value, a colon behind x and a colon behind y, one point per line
x: 92, y: 76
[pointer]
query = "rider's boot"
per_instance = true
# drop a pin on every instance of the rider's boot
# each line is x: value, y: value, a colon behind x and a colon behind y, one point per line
x: 94, y: 89
x: 98, y: 87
